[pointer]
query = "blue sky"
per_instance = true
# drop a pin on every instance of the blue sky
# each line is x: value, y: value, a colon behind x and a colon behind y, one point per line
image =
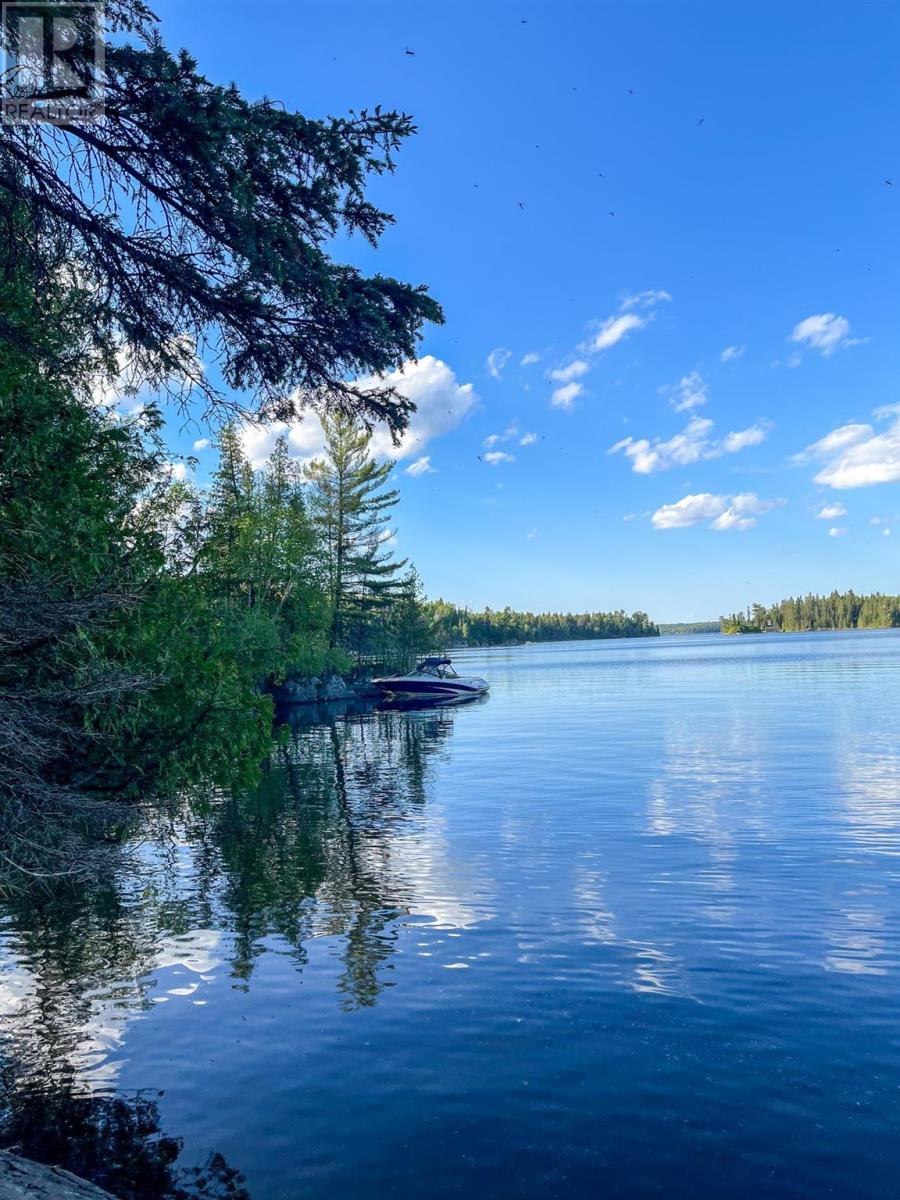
x: 744, y: 152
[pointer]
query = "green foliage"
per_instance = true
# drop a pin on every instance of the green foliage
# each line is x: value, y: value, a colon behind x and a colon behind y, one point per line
x: 69, y: 475
x: 460, y: 627
x: 76, y: 554
x: 737, y: 623
x: 398, y: 633
x: 838, y: 610
x: 257, y: 545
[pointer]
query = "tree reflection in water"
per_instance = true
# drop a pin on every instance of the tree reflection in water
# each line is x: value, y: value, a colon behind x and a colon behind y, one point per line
x: 310, y: 853
x: 113, y: 1141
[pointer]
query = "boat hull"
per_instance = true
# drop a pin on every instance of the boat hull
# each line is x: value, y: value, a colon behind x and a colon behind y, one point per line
x: 431, y: 689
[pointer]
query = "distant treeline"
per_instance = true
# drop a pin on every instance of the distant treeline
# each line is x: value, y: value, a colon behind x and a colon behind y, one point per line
x: 497, y: 627
x: 691, y: 627
x: 839, y: 610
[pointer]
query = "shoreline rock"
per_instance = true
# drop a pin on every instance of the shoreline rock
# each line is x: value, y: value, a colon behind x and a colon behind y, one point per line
x: 22, y: 1179
x: 323, y: 690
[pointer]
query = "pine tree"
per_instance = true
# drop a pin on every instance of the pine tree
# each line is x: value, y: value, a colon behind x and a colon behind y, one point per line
x: 229, y: 543
x: 350, y: 506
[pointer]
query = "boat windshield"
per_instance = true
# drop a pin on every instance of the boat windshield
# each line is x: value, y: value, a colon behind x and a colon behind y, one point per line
x: 441, y: 670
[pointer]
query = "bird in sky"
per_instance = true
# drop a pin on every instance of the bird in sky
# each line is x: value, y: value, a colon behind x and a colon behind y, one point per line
x: 521, y: 205
x: 889, y: 183
x: 612, y: 214
x: 411, y: 53
x: 700, y: 122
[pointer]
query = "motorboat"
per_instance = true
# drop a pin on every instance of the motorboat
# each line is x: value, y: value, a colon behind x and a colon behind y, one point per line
x: 433, y: 679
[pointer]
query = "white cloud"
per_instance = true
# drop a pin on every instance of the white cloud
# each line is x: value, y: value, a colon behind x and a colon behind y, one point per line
x: 607, y: 333
x: 692, y: 445
x: 679, y: 450
x: 496, y: 361
x: 724, y: 513
x: 563, y: 396
x: 838, y: 439
x: 532, y: 535
x: 834, y: 532
x: 497, y: 439
x: 646, y: 299
x: 613, y: 330
x: 732, y: 519
x: 886, y: 532
x: 690, y: 394
x: 573, y: 371
x: 831, y: 512
x: 201, y: 444
x: 856, y: 456
x: 421, y: 466
x: 441, y: 405
x: 730, y: 353
x: 529, y: 359
x: 176, y: 471
x: 528, y: 439
x: 496, y: 457
x: 305, y: 438
x: 732, y: 443
x: 825, y: 332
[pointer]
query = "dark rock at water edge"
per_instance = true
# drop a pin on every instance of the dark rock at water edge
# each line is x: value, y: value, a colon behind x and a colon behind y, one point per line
x: 322, y: 690
x: 24, y: 1180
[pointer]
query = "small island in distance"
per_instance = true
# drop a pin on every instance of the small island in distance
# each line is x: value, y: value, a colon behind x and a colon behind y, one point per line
x: 802, y: 614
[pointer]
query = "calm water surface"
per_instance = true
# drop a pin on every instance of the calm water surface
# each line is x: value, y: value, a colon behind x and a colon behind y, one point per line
x: 630, y: 926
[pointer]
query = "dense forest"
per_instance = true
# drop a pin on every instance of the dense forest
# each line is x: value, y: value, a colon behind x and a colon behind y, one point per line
x: 169, y: 265
x: 838, y: 610
x: 141, y: 615
x: 459, y: 627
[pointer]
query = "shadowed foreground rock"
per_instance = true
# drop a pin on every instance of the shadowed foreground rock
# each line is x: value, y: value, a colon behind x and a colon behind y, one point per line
x: 24, y: 1180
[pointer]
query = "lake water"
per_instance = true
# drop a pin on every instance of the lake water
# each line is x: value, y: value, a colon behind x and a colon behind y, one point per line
x: 629, y: 926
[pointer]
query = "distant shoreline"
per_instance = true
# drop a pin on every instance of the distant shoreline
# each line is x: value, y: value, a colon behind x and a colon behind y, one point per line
x: 664, y: 632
